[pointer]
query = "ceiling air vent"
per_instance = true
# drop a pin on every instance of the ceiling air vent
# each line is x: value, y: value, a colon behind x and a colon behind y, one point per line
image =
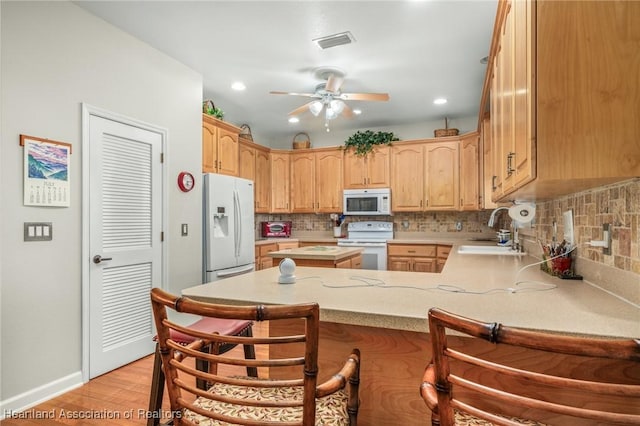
x: 334, y: 40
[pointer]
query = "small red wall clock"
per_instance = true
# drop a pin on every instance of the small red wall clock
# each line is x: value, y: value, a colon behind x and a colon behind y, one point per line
x: 186, y: 182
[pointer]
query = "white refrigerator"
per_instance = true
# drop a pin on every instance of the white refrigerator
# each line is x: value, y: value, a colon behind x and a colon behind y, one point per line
x: 229, y: 234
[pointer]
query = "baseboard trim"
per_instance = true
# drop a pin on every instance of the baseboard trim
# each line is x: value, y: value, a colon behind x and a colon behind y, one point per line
x: 40, y: 394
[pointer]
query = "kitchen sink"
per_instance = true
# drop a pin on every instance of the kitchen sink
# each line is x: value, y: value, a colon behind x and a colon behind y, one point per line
x: 493, y: 250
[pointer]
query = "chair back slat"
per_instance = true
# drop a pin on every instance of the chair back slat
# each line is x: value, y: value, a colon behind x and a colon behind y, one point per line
x: 288, y: 375
x: 539, y: 375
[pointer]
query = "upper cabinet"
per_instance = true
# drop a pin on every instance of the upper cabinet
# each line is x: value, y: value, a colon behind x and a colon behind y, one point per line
x: 370, y: 171
x: 220, y: 146
x: 280, y: 181
x: 470, y: 172
x: 564, y: 97
x: 425, y: 176
x: 315, y: 185
x: 255, y: 165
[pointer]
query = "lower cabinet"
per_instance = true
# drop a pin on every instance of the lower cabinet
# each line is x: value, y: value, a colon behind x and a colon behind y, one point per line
x: 263, y: 260
x: 442, y: 253
x: 417, y: 257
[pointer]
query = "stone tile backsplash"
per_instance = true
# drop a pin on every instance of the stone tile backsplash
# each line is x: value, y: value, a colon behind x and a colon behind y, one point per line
x: 618, y: 205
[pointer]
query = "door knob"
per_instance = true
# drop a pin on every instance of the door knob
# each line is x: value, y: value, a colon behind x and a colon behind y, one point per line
x: 97, y: 258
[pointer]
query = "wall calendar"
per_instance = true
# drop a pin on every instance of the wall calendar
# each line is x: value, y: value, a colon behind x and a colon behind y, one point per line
x: 46, y: 172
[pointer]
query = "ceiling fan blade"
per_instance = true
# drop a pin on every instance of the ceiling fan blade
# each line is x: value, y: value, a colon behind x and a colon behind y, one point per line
x: 301, y: 109
x: 364, y: 96
x: 333, y: 84
x: 347, y: 112
x: 309, y: 95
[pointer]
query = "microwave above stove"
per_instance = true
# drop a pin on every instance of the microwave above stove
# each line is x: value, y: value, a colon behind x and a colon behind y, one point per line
x: 367, y: 202
x: 275, y: 229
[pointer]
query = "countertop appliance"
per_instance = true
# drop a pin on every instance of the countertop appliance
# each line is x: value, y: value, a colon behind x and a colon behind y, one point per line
x: 275, y: 229
x: 364, y: 202
x: 372, y: 236
x: 229, y: 236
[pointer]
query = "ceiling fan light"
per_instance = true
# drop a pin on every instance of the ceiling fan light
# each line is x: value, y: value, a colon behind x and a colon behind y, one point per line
x: 315, y: 107
x: 331, y: 113
x: 337, y: 105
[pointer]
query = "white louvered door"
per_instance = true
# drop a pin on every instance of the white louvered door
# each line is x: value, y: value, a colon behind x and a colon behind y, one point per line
x: 125, y: 213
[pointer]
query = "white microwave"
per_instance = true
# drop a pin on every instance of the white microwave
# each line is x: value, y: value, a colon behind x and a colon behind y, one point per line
x: 367, y: 202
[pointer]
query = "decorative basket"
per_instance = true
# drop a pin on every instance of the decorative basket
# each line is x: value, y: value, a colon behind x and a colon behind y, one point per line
x: 438, y: 133
x: 207, y: 105
x: 301, y: 141
x: 246, y: 132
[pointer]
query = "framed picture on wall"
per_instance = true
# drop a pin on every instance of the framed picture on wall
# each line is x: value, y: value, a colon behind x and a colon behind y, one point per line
x: 47, y: 172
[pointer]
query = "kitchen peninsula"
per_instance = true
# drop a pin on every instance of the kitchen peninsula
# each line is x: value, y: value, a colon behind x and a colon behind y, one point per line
x: 383, y: 313
x: 321, y: 256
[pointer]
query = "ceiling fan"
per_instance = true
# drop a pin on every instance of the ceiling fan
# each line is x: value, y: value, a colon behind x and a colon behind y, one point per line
x: 329, y: 97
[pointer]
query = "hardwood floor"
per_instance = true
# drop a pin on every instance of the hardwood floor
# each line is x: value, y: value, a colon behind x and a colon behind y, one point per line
x: 120, y: 397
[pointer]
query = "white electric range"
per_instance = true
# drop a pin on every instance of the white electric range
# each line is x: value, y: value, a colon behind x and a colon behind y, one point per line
x: 372, y: 236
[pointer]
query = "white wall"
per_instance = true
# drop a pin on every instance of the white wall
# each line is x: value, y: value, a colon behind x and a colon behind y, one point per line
x: 423, y: 130
x: 55, y: 56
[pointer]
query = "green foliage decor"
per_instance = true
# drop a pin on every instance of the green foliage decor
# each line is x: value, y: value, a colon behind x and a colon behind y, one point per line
x: 363, y: 142
x: 216, y: 112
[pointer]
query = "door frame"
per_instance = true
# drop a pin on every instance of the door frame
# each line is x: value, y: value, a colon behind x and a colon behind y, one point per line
x: 87, y: 111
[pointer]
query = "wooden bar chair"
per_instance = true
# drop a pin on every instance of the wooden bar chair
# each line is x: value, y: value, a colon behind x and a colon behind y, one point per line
x: 528, y: 377
x: 290, y: 393
x: 208, y: 325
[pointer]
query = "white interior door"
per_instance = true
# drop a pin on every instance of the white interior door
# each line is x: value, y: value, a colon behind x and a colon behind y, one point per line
x: 124, y: 243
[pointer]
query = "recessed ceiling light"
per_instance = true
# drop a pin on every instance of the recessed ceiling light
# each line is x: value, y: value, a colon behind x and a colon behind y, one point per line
x: 440, y: 101
x: 357, y: 111
x: 238, y: 85
x: 294, y: 120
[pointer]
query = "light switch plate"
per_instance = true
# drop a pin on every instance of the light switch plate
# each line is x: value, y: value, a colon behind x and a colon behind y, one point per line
x: 38, y: 231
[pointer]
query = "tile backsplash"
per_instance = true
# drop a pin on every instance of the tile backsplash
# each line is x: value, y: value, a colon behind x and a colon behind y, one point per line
x: 618, y: 205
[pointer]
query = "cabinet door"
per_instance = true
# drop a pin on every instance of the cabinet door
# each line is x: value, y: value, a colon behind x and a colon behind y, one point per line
x: 227, y: 152
x: 302, y: 182
x: 378, y: 166
x: 279, y: 182
x: 424, y: 264
x: 399, y: 263
x: 469, y: 173
x: 407, y: 177
x: 328, y: 181
x: 247, y: 162
x: 209, y: 143
x: 442, y: 176
x: 355, y: 171
x: 524, y: 132
x: 263, y: 181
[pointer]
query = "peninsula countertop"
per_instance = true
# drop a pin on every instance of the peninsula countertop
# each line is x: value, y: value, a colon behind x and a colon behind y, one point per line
x: 489, y: 288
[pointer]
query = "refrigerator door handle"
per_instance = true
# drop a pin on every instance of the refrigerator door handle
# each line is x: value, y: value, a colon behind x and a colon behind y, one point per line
x: 235, y: 272
x: 236, y: 219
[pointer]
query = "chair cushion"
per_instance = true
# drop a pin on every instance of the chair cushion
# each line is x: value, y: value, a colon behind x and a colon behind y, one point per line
x: 330, y: 410
x: 465, y: 419
x: 225, y: 327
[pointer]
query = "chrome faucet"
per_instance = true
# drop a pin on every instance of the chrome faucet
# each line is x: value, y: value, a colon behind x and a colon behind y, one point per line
x: 492, y: 218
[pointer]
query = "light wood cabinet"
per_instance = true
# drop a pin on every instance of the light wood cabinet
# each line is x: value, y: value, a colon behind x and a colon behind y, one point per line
x: 220, y: 146
x: 254, y: 164
x: 562, y: 120
x: 470, y: 172
x: 370, y: 171
x: 411, y: 257
x: 425, y: 176
x: 263, y: 260
x: 486, y: 164
x: 442, y: 178
x: 316, y: 187
x: 280, y: 185
x: 442, y: 253
x: 282, y: 245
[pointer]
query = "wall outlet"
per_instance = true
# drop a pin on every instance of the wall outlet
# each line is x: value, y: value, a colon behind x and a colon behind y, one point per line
x: 458, y: 226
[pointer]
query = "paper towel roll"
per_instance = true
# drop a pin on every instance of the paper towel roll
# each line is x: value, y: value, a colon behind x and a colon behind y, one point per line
x: 523, y: 213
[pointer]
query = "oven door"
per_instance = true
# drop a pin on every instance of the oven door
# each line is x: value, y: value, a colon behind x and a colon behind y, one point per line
x: 374, y: 256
